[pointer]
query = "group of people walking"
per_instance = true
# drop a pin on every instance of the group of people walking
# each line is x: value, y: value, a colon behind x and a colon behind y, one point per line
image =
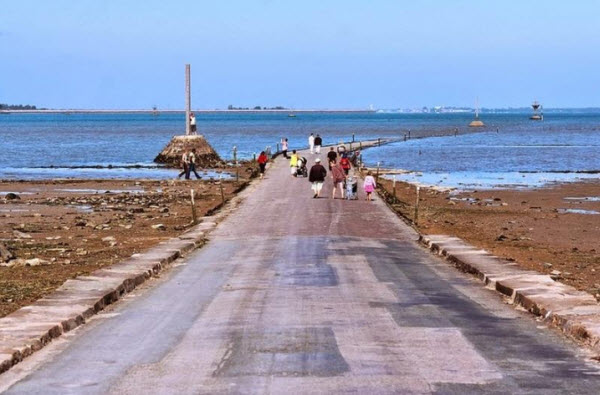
x: 339, y: 165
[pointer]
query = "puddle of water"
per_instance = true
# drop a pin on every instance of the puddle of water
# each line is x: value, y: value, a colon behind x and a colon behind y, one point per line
x: 577, y: 211
x: 584, y: 199
x: 4, y: 193
x: 82, y: 208
x: 100, y: 191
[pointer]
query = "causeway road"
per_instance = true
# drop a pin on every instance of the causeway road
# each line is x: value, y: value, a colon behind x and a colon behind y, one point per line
x: 299, y: 295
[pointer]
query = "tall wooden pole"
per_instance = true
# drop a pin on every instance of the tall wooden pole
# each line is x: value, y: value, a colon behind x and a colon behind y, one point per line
x: 188, y: 100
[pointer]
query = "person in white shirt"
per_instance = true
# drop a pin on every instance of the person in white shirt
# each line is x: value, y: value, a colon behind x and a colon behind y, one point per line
x: 192, y: 123
x: 311, y: 143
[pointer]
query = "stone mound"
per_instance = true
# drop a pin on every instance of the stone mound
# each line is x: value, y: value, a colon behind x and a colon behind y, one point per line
x: 206, y: 156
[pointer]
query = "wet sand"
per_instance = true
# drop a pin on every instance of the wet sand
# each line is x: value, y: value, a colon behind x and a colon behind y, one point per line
x: 62, y: 229
x: 551, y: 229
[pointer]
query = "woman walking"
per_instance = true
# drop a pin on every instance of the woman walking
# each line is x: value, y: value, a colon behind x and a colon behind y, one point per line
x: 294, y: 163
x: 345, y: 162
x: 262, y: 163
x: 338, y: 176
x: 369, y: 185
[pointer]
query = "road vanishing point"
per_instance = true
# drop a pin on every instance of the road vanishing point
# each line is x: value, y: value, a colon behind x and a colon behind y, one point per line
x: 298, y: 295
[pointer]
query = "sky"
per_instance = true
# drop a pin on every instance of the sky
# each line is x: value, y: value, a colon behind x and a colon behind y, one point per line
x: 334, y: 54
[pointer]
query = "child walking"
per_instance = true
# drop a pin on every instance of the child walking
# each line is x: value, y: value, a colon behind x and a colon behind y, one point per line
x: 369, y: 185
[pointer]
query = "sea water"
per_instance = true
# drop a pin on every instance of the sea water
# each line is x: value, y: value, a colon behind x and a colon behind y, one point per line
x: 107, y: 145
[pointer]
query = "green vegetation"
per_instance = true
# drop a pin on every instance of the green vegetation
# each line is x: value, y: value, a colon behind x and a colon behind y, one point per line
x: 17, y: 107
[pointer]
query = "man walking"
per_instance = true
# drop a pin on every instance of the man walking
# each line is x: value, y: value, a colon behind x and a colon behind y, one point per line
x: 331, y: 157
x: 317, y: 177
x: 284, y: 148
x: 192, y: 164
x: 311, y: 143
x: 318, y: 144
x: 185, y: 165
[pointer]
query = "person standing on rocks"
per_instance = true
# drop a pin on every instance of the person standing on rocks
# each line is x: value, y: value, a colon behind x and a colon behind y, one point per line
x: 284, y: 148
x: 311, y: 143
x: 262, y: 163
x: 192, y: 164
x: 317, y: 177
x: 338, y: 177
x: 318, y: 144
x: 192, y: 123
x: 185, y: 165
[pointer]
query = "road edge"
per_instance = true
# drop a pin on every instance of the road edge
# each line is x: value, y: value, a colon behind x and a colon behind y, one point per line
x: 575, y: 313
x: 32, y: 327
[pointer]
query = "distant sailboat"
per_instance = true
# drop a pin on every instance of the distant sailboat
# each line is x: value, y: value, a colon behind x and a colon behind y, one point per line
x: 476, y: 123
x: 291, y: 115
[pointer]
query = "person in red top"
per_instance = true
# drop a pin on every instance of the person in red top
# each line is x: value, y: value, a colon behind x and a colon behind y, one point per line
x: 345, y: 162
x: 262, y: 163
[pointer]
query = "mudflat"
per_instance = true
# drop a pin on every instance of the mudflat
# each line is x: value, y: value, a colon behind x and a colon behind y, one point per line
x: 554, y: 230
x: 56, y: 230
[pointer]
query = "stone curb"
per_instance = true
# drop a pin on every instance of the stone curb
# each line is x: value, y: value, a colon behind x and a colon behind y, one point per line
x: 576, y: 313
x: 30, y: 328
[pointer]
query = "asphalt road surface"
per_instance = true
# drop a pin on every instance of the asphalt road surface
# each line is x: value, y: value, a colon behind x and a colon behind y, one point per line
x: 300, y: 295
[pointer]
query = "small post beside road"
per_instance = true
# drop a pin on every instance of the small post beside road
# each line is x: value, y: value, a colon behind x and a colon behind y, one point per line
x: 222, y: 193
x: 377, y: 175
x: 394, y: 189
x: 235, y: 163
x: 417, y: 206
x: 194, y: 217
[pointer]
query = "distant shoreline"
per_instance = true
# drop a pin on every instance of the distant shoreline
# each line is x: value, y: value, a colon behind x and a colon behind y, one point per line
x: 80, y: 111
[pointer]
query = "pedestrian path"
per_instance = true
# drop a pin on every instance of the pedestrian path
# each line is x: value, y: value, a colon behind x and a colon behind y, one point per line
x: 300, y: 295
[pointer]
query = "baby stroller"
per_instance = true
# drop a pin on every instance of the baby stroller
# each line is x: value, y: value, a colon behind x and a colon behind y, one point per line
x: 302, y: 169
x: 351, y: 188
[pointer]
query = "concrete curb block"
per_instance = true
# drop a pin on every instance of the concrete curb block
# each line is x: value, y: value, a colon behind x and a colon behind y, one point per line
x: 30, y: 328
x: 576, y: 313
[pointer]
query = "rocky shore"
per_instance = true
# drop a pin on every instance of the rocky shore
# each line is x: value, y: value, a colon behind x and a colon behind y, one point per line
x: 51, y: 231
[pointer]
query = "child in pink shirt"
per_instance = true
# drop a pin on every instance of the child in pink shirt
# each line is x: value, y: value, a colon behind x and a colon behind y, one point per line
x: 369, y: 185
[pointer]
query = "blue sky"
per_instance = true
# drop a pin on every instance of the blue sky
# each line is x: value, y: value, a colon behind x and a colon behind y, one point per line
x: 300, y: 54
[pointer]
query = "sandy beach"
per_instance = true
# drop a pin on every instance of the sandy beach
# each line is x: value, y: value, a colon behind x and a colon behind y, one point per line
x: 554, y: 230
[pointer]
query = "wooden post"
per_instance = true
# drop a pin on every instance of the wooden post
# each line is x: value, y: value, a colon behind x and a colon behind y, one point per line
x: 417, y: 206
x: 394, y: 189
x: 222, y: 193
x: 377, y: 175
x: 194, y: 217
x: 378, y: 142
x: 409, y: 133
x: 235, y: 163
x: 188, y: 100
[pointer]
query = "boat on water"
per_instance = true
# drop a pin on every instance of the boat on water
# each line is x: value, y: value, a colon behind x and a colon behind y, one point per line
x: 538, y: 114
x: 291, y: 115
